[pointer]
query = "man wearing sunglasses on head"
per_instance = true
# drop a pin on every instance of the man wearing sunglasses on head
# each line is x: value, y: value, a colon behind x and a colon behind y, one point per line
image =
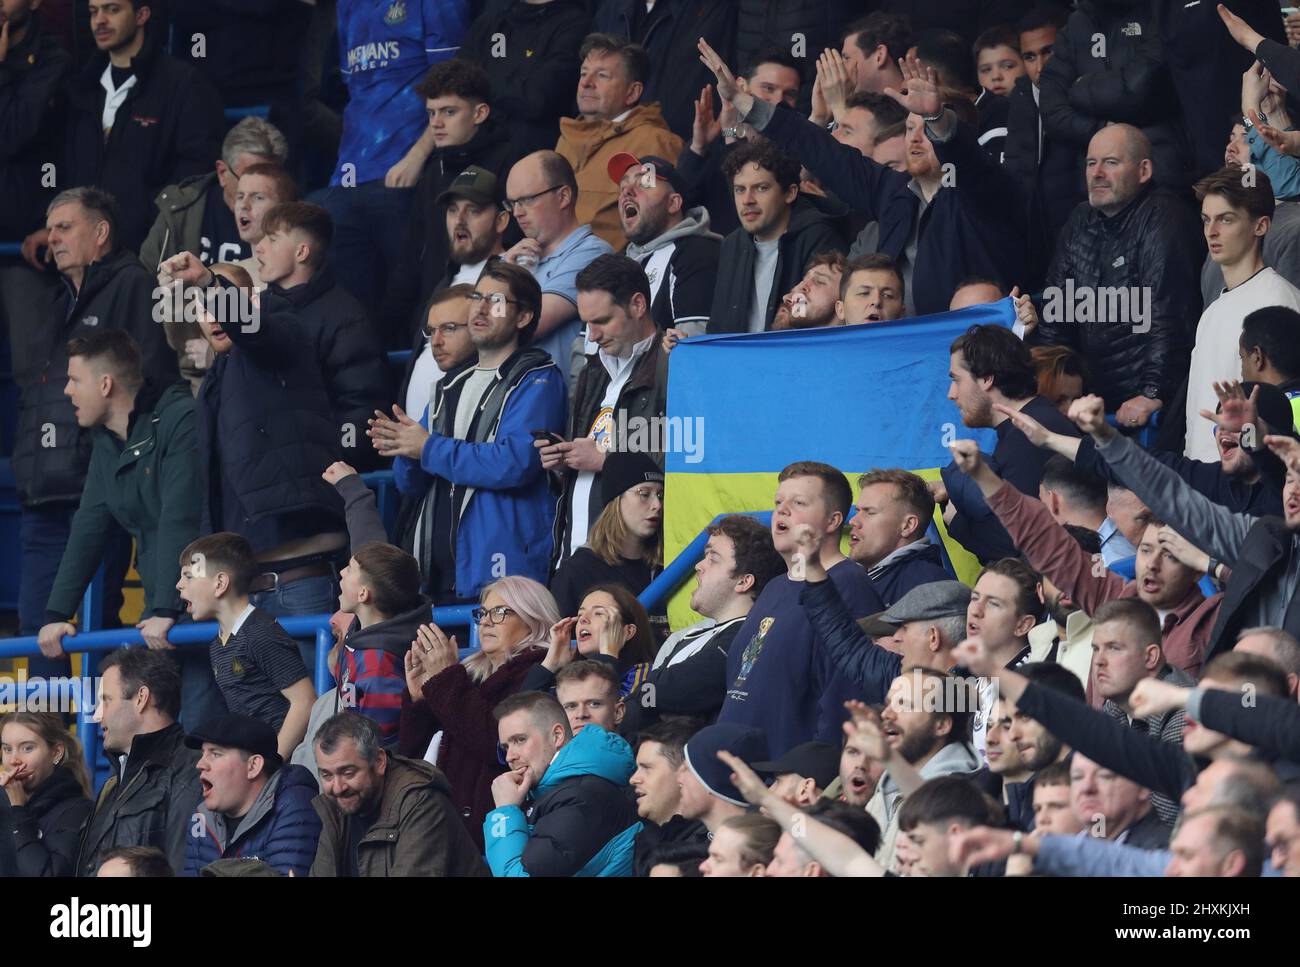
x: 482, y: 505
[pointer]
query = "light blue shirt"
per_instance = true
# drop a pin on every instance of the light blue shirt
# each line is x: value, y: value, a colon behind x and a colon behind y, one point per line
x: 557, y: 274
x: 1114, y: 545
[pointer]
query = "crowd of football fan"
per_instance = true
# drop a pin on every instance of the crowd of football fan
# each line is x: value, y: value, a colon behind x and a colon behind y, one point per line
x: 228, y: 213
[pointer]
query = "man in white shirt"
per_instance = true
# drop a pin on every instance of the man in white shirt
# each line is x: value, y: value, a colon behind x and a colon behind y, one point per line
x: 1236, y: 212
x: 625, y: 380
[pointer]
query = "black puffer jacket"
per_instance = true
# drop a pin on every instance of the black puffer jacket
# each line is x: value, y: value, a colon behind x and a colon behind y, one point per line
x: 41, y: 837
x: 811, y: 231
x: 1129, y: 83
x: 535, y: 83
x: 669, y: 35
x: 763, y: 24
x: 1153, y: 245
x: 265, y: 401
x: 51, y: 453
x: 356, y: 373
x: 31, y: 87
x: 169, y: 127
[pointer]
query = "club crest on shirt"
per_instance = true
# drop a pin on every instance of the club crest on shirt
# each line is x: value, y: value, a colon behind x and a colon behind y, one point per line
x: 237, y: 668
x: 750, y: 654
x: 396, y: 13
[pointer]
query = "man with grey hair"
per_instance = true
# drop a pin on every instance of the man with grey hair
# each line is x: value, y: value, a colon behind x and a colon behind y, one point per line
x: 384, y: 814
x: 1122, y: 287
x: 197, y: 216
x: 926, y: 623
x: 1278, y: 645
x: 101, y: 287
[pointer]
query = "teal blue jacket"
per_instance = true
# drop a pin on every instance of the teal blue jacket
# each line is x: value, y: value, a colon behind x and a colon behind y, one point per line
x: 581, y: 821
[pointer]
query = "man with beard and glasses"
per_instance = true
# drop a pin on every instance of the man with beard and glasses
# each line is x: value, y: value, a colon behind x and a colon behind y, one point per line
x: 672, y: 243
x: 384, y: 814
x: 471, y: 457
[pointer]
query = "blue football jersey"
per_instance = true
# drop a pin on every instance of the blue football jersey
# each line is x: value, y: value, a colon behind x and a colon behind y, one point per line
x: 385, y: 46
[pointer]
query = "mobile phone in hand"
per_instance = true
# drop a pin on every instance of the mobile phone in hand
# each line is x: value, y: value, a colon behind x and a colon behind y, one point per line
x: 546, y: 436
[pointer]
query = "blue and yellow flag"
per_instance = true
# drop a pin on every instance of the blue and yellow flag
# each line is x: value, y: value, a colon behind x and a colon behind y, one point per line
x: 743, y: 406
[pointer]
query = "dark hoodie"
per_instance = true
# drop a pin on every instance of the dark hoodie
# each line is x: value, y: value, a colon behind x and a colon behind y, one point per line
x: 40, y: 838
x: 372, y: 667
x: 810, y: 232
x: 31, y: 81
x: 169, y: 127
x: 116, y: 292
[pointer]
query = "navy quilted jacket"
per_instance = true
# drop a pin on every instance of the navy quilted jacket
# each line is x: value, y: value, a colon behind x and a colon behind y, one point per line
x: 281, y: 829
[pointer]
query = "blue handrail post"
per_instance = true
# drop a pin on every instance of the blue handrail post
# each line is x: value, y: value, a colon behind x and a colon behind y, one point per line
x: 324, y: 642
x: 92, y: 603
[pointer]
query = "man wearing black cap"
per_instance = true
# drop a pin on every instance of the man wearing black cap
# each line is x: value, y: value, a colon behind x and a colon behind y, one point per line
x: 466, y: 135
x: 707, y: 791
x: 476, y: 225
x: 672, y: 244
x: 623, y: 384
x: 253, y: 804
x: 803, y: 773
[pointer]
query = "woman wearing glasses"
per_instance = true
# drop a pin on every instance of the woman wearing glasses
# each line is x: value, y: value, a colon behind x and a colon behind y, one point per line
x: 626, y: 544
x: 447, y: 710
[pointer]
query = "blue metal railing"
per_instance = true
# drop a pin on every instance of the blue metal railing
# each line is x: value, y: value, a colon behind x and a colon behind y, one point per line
x: 88, y: 643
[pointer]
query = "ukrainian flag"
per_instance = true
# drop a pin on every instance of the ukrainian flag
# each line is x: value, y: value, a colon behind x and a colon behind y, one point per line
x: 743, y: 406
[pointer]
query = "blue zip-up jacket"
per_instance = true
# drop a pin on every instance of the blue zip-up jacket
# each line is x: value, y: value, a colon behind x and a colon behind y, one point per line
x: 508, y: 518
x: 384, y: 48
x: 581, y: 822
x: 282, y: 829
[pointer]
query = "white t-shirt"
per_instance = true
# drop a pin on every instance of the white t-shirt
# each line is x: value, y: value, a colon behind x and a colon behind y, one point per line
x: 424, y: 377
x: 1215, y: 356
x: 468, y: 274
x: 620, y: 370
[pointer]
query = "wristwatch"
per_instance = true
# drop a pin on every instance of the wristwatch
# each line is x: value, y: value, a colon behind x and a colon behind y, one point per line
x: 1017, y: 843
x: 1151, y: 392
x: 732, y: 133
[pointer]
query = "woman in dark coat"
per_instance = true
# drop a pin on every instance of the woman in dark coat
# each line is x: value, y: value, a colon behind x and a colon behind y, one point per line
x: 46, y: 795
x: 457, y: 698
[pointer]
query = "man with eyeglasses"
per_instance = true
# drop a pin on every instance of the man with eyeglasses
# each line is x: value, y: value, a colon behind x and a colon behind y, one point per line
x: 485, y: 510
x: 542, y: 193
x: 442, y: 346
